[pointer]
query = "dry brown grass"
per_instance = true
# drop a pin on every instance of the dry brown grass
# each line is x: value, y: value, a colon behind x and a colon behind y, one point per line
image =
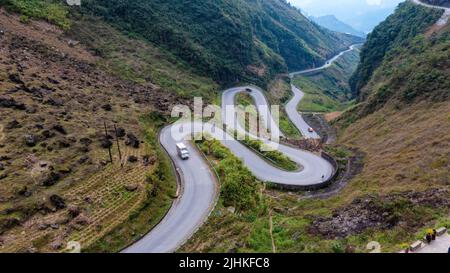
x: 103, y: 200
x: 332, y: 116
x: 406, y: 149
x: 53, y: 35
x: 279, y: 89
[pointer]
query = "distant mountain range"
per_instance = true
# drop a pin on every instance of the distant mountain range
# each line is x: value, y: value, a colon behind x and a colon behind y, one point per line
x: 333, y: 23
x: 366, y: 21
x: 361, y: 15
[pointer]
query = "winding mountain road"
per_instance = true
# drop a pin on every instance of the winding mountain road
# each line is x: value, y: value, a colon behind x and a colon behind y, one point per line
x: 291, y: 106
x: 199, y: 189
x: 444, y: 18
x: 296, y: 117
x: 327, y: 63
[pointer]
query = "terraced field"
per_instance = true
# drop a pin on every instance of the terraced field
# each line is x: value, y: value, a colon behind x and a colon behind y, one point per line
x: 102, y: 202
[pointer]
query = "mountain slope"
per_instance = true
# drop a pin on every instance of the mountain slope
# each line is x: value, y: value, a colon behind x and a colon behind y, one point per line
x: 402, y: 120
x: 229, y: 40
x: 328, y: 90
x: 55, y: 104
x: 60, y: 82
x: 333, y: 23
x: 65, y: 73
x: 388, y: 38
x: 399, y: 165
x: 401, y: 130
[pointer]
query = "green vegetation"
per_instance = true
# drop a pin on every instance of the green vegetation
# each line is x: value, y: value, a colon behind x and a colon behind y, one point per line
x: 338, y: 152
x: 403, y: 87
x: 407, y: 68
x: 51, y: 10
x: 160, y: 193
x: 287, y: 127
x: 279, y: 93
x: 293, y: 217
x: 333, y: 23
x: 239, y: 188
x: 227, y: 40
x: 244, y: 99
x: 405, y: 65
x: 391, y: 38
x: 247, y: 111
x: 328, y: 90
x: 274, y: 157
x: 136, y: 60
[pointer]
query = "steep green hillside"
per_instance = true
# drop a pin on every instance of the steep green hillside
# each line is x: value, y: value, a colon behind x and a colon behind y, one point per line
x: 227, y: 40
x: 389, y: 39
x: 328, y: 90
x: 51, y: 10
x: 402, y: 121
x: 406, y: 97
x: 129, y: 58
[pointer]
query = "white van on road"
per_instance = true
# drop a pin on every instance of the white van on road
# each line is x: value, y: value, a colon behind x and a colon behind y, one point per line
x: 183, y: 151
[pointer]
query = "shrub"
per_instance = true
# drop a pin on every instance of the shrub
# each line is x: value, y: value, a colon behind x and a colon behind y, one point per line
x: 275, y: 157
x: 337, y: 247
x: 52, y: 11
x: 238, y: 185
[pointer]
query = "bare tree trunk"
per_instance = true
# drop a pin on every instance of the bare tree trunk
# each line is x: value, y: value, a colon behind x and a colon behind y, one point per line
x: 118, y: 145
x: 109, y: 148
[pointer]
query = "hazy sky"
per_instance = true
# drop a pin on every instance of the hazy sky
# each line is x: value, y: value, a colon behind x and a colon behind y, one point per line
x: 353, y: 12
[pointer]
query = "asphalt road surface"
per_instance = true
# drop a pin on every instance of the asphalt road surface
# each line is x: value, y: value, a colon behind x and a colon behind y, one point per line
x: 198, y: 192
x: 196, y: 199
x: 291, y: 106
x: 262, y: 106
x: 441, y: 245
x: 327, y: 63
x: 296, y: 117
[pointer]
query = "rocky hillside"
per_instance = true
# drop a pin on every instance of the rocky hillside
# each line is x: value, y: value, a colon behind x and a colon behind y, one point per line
x: 56, y: 97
